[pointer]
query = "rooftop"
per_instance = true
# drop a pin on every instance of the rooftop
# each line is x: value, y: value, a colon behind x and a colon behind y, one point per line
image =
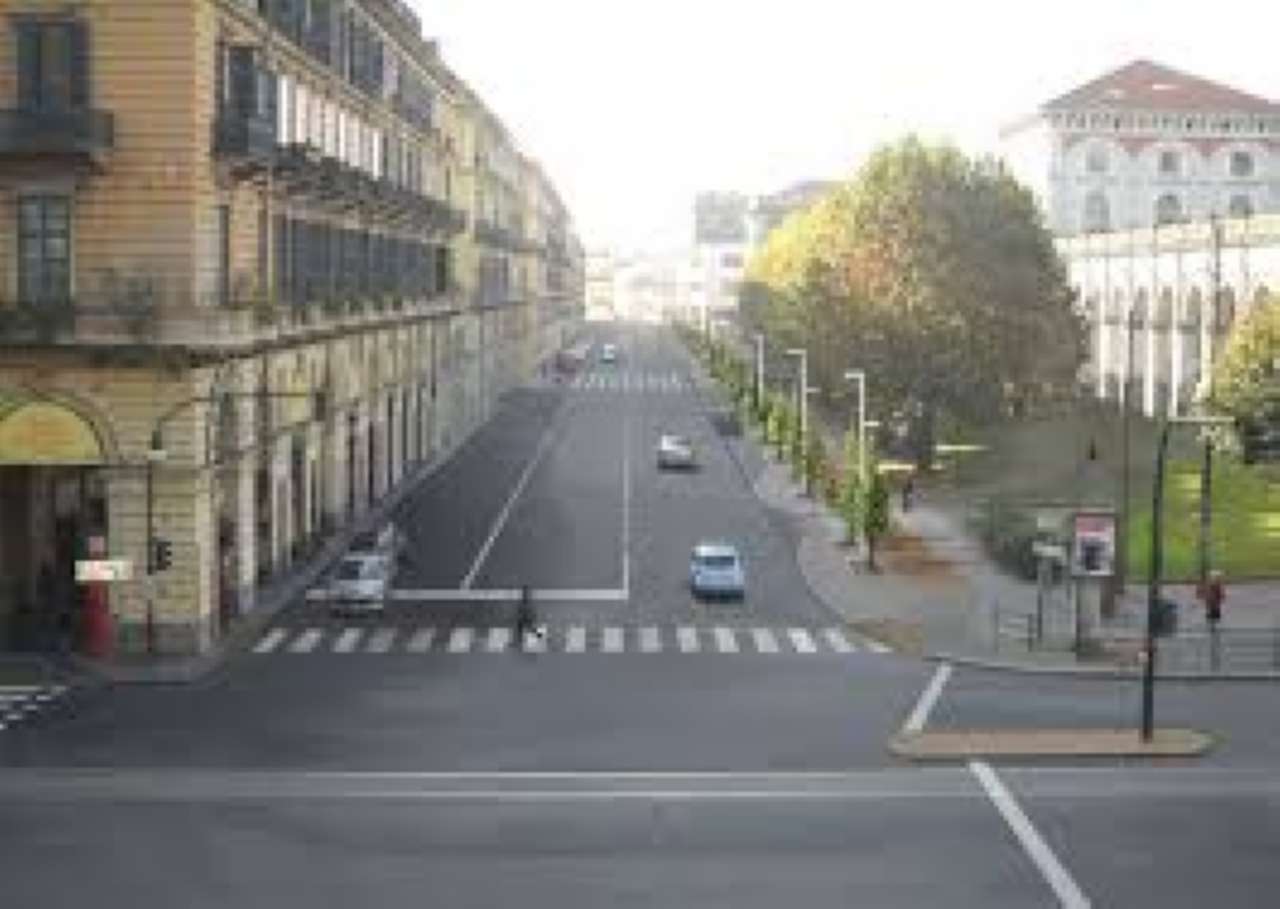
x: 1145, y: 85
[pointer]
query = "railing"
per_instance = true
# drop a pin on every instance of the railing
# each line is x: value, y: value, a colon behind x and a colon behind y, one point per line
x: 1226, y: 651
x: 244, y: 137
x: 79, y: 131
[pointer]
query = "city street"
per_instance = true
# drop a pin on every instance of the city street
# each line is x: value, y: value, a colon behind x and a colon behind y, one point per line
x: 652, y: 750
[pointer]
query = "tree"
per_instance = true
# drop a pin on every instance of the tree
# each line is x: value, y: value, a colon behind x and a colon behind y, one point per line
x: 933, y: 272
x: 1246, y: 380
x: 876, y: 517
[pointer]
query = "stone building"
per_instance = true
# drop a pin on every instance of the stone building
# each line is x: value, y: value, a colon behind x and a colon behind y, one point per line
x: 266, y: 259
x: 1147, y: 144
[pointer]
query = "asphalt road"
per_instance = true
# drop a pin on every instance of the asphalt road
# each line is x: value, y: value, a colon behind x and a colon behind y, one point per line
x: 661, y: 752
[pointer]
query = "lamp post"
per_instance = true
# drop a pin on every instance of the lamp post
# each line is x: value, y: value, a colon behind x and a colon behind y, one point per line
x: 803, y: 355
x: 759, y: 384
x: 860, y: 376
x: 1157, y: 563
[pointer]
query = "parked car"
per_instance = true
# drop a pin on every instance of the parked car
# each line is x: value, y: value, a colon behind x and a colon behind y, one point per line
x: 387, y: 540
x: 717, y: 570
x: 361, y: 582
x: 676, y: 452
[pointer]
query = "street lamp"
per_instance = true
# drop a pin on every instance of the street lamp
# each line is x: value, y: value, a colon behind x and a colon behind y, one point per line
x: 759, y: 384
x: 860, y: 376
x: 803, y: 356
x: 1157, y: 562
x: 155, y: 455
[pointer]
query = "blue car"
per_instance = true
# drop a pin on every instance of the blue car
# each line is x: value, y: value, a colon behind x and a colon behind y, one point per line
x: 716, y: 570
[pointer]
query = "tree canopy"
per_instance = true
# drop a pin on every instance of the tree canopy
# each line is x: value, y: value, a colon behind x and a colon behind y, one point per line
x: 935, y: 274
x: 1246, y: 381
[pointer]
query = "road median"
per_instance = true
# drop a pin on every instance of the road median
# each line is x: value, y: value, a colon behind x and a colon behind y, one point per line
x: 965, y: 744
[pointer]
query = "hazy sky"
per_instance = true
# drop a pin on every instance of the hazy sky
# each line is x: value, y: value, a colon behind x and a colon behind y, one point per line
x: 634, y: 107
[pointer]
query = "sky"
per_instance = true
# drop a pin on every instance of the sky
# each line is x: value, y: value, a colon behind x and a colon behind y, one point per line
x: 635, y: 107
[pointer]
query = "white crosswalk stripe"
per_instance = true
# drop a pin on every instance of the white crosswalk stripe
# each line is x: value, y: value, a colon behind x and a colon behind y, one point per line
x: 613, y: 639
x: 421, y: 640
x: 380, y: 641
x: 764, y: 640
x: 271, y: 640
x: 837, y: 641
x: 535, y: 642
x: 801, y: 640
x: 307, y: 641
x: 348, y: 640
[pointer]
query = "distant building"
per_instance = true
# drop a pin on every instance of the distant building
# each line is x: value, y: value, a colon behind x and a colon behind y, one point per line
x: 717, y: 264
x: 1147, y: 145
x: 600, y: 270
x: 768, y: 212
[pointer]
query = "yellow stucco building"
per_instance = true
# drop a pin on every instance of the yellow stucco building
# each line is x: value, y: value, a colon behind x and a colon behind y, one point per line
x: 262, y: 261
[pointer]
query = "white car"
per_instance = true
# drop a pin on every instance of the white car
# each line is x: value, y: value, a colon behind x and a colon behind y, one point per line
x: 609, y: 353
x: 675, y: 452
x: 361, y: 582
x: 716, y: 570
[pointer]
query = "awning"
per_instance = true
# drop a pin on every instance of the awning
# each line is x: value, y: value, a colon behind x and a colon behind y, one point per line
x: 37, y: 431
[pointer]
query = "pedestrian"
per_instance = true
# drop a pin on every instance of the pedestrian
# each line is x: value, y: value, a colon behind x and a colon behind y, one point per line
x: 908, y: 491
x: 526, y: 617
x: 1213, y: 593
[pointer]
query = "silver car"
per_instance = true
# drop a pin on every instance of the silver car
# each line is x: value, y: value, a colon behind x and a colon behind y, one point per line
x: 716, y: 570
x: 676, y: 452
x: 362, y: 582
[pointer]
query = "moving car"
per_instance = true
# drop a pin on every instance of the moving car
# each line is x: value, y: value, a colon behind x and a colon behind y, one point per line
x: 716, y: 570
x: 675, y: 452
x: 361, y: 582
x: 609, y: 353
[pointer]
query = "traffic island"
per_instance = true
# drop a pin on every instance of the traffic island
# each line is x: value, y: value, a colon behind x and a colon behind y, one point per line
x: 964, y: 744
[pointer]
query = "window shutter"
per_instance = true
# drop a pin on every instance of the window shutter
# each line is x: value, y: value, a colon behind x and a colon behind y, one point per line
x: 242, y: 81
x: 78, y: 50
x: 28, y: 65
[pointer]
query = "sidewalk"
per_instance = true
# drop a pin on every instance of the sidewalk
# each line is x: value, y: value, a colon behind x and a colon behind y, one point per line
x: 270, y: 599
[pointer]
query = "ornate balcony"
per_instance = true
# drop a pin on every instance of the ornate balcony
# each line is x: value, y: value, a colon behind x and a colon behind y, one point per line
x: 248, y: 143
x: 76, y: 136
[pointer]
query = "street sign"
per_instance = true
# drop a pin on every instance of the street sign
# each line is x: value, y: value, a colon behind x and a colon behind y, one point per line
x: 90, y: 571
x: 1093, y: 544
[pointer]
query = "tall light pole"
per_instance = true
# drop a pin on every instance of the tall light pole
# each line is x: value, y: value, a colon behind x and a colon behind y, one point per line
x: 759, y: 386
x: 1157, y: 563
x: 860, y: 376
x: 803, y: 355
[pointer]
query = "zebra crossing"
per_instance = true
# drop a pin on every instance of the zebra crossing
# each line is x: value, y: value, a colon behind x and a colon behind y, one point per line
x: 20, y: 703
x: 569, y: 639
x: 641, y: 382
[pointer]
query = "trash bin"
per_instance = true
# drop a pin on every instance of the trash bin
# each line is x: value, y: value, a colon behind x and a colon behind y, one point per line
x: 1166, y: 618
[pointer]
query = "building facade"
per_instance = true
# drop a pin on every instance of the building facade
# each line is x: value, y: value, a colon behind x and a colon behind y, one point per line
x: 1161, y: 302
x: 1147, y: 144
x: 266, y: 260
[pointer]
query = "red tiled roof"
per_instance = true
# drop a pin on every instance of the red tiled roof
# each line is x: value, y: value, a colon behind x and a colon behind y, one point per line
x: 1150, y: 86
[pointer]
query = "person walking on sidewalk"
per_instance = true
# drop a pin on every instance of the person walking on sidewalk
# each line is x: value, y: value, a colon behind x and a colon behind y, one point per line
x: 1213, y: 593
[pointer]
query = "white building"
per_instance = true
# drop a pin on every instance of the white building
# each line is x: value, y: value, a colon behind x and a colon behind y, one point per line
x: 1144, y: 145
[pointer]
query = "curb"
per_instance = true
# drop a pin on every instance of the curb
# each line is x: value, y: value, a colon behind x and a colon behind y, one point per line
x: 1095, y: 672
x: 186, y: 670
x: 969, y: 744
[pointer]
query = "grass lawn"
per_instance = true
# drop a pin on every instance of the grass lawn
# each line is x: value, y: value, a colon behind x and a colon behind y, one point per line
x: 1245, y: 538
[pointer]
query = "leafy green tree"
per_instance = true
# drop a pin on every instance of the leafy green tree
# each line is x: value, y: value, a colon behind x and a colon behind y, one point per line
x: 851, y: 492
x: 1246, y: 380
x: 876, y: 516
x: 933, y: 272
x: 815, y: 462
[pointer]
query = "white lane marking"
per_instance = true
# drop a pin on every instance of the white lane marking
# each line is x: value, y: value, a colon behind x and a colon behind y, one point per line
x: 612, y: 642
x: 764, y: 640
x: 688, y: 638
x: 347, y: 641
x: 837, y: 641
x: 920, y: 715
x: 499, y: 638
x: 505, y: 596
x: 725, y: 640
x: 650, y: 640
x: 19, y: 689
x: 801, y: 640
x: 421, y: 640
x: 460, y: 640
x: 576, y: 640
x: 536, y: 641
x: 1069, y: 894
x: 271, y: 641
x: 544, y: 443
x: 307, y: 641
x: 626, y: 504
x: 381, y: 640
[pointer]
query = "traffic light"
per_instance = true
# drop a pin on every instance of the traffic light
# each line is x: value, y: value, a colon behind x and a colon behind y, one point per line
x: 162, y: 559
